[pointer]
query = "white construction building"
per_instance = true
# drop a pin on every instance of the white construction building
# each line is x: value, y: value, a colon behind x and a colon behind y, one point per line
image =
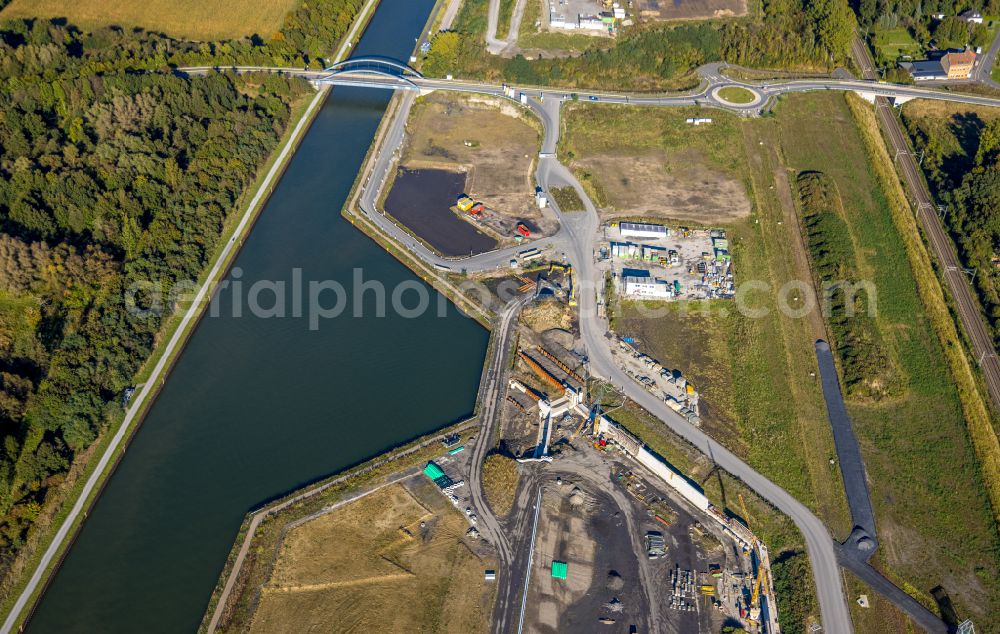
x: 641, y: 230
x: 646, y: 287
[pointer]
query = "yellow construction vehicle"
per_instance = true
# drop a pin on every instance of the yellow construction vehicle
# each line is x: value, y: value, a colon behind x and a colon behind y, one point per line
x: 572, y: 289
x: 753, y: 615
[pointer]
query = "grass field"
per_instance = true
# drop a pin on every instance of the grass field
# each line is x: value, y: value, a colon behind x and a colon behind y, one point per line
x: 892, y: 43
x: 191, y: 19
x: 756, y: 375
x: 392, y: 561
x: 503, y: 18
x: 639, y: 162
x: 917, y: 449
x: 567, y: 199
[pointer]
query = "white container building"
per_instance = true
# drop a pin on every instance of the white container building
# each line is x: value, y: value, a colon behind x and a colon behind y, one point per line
x: 641, y: 230
x: 646, y: 287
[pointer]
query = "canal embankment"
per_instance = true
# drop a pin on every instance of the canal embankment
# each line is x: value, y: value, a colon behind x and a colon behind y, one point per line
x: 193, y: 420
x: 232, y: 602
x: 87, y: 478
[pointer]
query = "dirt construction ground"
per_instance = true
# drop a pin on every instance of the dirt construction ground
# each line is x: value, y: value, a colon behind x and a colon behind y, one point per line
x: 654, y: 184
x: 490, y: 139
x: 393, y: 561
x: 689, y: 9
x: 582, y: 528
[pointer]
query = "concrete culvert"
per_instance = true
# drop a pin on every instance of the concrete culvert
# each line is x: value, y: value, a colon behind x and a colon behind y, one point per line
x: 615, y: 581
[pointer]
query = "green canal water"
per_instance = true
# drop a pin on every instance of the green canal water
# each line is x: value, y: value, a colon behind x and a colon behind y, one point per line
x: 256, y: 407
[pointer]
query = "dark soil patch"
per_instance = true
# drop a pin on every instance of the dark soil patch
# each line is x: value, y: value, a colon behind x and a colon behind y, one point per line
x: 422, y: 200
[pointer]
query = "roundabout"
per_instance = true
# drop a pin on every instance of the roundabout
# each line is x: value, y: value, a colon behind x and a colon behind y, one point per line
x: 737, y: 96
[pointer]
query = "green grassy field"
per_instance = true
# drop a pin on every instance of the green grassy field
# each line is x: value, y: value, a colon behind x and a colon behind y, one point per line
x: 192, y: 19
x: 567, y: 199
x: 893, y: 43
x: 503, y: 19
x: 757, y: 376
x: 917, y: 451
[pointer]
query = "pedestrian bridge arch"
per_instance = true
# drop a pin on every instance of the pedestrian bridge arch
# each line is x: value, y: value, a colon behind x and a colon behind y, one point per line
x: 376, y: 65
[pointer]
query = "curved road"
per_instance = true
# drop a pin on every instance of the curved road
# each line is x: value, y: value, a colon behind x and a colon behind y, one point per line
x: 705, y: 95
x: 575, y: 238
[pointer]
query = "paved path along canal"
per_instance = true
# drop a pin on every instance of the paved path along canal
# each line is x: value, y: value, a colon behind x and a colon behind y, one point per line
x: 256, y: 407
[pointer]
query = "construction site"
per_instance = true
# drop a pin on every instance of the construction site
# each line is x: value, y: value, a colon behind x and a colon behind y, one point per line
x: 463, y: 181
x: 622, y: 537
x: 654, y: 262
x: 394, y: 547
x: 661, y: 542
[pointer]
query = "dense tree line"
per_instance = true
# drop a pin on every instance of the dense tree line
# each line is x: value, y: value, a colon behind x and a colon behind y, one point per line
x: 787, y: 33
x: 109, y: 179
x: 869, y: 372
x: 793, y: 583
x: 963, y: 169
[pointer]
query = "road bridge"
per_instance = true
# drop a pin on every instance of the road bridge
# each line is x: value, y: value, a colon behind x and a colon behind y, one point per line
x: 392, y: 75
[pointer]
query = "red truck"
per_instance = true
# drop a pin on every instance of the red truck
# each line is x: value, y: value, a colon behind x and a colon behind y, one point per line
x: 523, y: 230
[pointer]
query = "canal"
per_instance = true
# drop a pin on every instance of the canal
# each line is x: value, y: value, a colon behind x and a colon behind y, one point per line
x: 258, y: 406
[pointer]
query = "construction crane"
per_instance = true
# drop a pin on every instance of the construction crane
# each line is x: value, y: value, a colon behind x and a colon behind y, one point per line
x: 754, y: 614
x: 589, y: 420
x: 595, y: 411
x: 743, y: 507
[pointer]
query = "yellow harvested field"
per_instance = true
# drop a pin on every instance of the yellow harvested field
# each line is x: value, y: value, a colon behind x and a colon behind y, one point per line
x: 190, y: 19
x: 946, y: 109
x: 389, y: 562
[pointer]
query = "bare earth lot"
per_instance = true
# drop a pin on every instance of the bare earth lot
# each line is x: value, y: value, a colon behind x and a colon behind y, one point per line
x: 194, y: 19
x: 490, y: 140
x: 690, y: 9
x: 393, y: 561
x: 656, y: 167
x: 678, y: 186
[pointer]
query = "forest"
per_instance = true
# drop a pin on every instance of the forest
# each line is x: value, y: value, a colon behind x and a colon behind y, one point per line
x: 961, y: 158
x: 918, y: 29
x: 116, y: 171
x: 653, y: 56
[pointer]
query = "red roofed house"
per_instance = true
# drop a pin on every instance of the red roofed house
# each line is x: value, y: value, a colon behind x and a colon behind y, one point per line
x: 958, y: 65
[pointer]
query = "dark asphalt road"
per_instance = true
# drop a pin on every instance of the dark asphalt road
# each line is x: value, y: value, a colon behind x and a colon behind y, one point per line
x: 862, y: 541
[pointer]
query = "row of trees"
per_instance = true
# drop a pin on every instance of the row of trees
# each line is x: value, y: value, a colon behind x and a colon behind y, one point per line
x: 787, y: 33
x: 111, y: 178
